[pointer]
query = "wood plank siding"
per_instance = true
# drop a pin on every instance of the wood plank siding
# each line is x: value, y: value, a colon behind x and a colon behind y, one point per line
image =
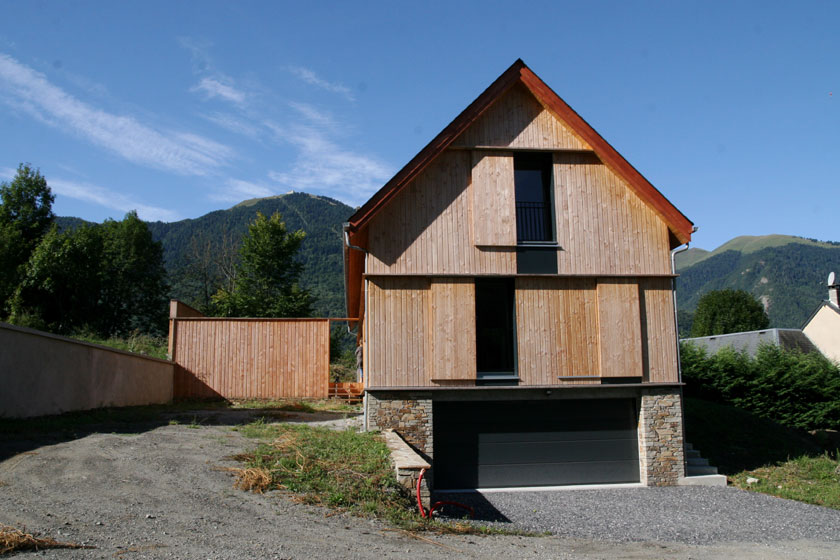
x: 518, y: 120
x: 606, y: 313
x: 568, y: 330
x: 620, y: 329
x: 427, y: 227
x: 493, y: 201
x: 557, y: 330
x: 451, y: 332
x: 251, y: 359
x: 397, y: 341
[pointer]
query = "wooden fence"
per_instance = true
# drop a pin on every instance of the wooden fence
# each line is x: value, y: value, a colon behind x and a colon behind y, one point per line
x: 248, y: 358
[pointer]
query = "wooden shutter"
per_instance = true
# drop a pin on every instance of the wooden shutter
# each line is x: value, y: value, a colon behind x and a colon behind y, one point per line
x: 620, y: 328
x: 493, y: 199
x: 452, y: 329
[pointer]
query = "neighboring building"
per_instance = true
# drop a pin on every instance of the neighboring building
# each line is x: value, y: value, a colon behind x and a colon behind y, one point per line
x: 749, y: 341
x: 823, y: 326
x: 515, y: 294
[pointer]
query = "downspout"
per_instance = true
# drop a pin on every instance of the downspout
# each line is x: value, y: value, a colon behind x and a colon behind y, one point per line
x: 346, y: 230
x: 677, y: 329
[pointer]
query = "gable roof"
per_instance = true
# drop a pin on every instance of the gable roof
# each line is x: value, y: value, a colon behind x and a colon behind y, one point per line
x: 824, y: 303
x: 518, y: 73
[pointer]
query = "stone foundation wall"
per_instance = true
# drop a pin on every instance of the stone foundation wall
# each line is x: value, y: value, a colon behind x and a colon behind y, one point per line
x: 408, y: 414
x: 661, y: 450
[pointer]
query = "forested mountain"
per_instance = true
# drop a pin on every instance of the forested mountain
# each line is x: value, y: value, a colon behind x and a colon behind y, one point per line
x: 215, y: 237
x: 787, y: 274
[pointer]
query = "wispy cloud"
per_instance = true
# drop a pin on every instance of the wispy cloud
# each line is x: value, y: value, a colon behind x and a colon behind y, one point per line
x: 233, y: 123
x: 323, y: 167
x: 313, y: 115
x: 212, y: 87
x: 185, y: 154
x: 110, y: 199
x: 312, y: 78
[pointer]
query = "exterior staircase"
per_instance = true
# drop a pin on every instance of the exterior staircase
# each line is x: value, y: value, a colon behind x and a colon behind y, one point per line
x: 698, y: 471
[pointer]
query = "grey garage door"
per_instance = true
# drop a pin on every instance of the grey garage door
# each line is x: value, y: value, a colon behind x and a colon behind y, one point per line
x: 494, y: 444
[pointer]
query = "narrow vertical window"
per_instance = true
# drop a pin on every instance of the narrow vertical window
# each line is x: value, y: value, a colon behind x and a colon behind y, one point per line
x: 495, y: 345
x: 532, y: 180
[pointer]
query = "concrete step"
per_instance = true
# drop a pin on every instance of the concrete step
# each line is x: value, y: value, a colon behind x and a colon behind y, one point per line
x: 703, y: 480
x: 689, y: 446
x: 698, y: 461
x: 691, y: 453
x: 697, y: 470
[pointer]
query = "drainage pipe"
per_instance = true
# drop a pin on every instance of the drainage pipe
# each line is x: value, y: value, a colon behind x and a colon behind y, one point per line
x: 438, y: 504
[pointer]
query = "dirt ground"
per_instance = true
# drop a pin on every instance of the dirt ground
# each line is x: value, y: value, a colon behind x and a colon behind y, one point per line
x: 156, y: 491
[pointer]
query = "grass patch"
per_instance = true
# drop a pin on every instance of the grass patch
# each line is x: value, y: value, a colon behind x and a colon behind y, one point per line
x: 137, y: 342
x: 813, y: 480
x: 347, y: 470
x: 13, y: 540
x: 297, y: 405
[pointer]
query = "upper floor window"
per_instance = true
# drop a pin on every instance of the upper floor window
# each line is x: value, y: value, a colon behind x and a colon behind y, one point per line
x: 532, y: 181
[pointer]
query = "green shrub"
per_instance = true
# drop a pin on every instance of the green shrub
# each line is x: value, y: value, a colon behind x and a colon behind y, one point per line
x: 795, y: 389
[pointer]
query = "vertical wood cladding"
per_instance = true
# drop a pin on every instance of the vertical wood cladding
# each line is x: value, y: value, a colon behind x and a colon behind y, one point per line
x: 493, y: 199
x: 518, y: 120
x: 427, y: 229
x: 556, y: 330
x: 452, y: 329
x: 659, y: 334
x: 397, y: 343
x: 619, y: 324
x: 602, y: 225
x: 424, y: 329
x: 251, y: 359
x: 456, y: 219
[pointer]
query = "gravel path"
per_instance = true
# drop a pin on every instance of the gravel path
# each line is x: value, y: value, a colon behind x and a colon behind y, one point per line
x: 157, y: 491
x: 691, y: 515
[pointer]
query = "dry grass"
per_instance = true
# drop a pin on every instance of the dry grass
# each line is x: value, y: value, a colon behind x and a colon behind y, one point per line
x: 253, y: 479
x: 13, y: 540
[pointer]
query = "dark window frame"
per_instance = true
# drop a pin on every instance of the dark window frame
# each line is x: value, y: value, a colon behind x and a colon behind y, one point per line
x: 495, y: 318
x: 535, y: 216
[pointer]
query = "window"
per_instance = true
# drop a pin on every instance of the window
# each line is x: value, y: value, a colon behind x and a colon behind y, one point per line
x: 532, y: 181
x: 495, y: 345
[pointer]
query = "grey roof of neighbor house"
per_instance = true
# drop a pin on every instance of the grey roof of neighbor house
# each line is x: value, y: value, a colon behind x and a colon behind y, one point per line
x: 789, y: 339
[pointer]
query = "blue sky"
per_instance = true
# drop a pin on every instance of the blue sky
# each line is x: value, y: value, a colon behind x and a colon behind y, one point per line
x: 180, y: 108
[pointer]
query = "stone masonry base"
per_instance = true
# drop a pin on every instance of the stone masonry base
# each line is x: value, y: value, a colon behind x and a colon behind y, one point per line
x: 661, y: 454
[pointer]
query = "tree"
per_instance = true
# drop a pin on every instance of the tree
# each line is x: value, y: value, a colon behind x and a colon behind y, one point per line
x: 25, y: 216
x: 60, y: 285
x: 133, y: 290
x: 27, y: 204
x: 107, y: 279
x: 266, y: 277
x: 728, y: 311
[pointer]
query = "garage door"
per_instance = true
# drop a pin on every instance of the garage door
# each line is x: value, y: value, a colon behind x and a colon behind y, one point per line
x: 494, y: 444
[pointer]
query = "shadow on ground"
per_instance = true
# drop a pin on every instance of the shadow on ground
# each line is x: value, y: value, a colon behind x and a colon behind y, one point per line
x: 25, y: 435
x: 484, y: 510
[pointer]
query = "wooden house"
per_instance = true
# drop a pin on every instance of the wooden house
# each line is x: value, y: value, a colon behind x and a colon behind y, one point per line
x: 514, y: 289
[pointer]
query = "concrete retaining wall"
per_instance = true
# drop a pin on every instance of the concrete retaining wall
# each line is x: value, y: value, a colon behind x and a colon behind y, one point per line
x: 42, y: 374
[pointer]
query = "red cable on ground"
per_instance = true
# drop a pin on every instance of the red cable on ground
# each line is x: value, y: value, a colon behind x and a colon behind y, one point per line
x: 437, y: 504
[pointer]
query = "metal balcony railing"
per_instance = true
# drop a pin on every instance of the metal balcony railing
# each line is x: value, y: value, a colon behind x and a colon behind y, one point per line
x: 533, y: 222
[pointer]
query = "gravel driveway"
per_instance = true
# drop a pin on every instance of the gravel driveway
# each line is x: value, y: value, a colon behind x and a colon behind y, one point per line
x: 156, y: 491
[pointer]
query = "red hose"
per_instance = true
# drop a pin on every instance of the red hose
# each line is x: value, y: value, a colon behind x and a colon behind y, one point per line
x: 436, y: 505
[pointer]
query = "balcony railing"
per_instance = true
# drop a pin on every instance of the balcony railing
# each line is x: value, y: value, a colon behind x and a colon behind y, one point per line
x: 533, y: 222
